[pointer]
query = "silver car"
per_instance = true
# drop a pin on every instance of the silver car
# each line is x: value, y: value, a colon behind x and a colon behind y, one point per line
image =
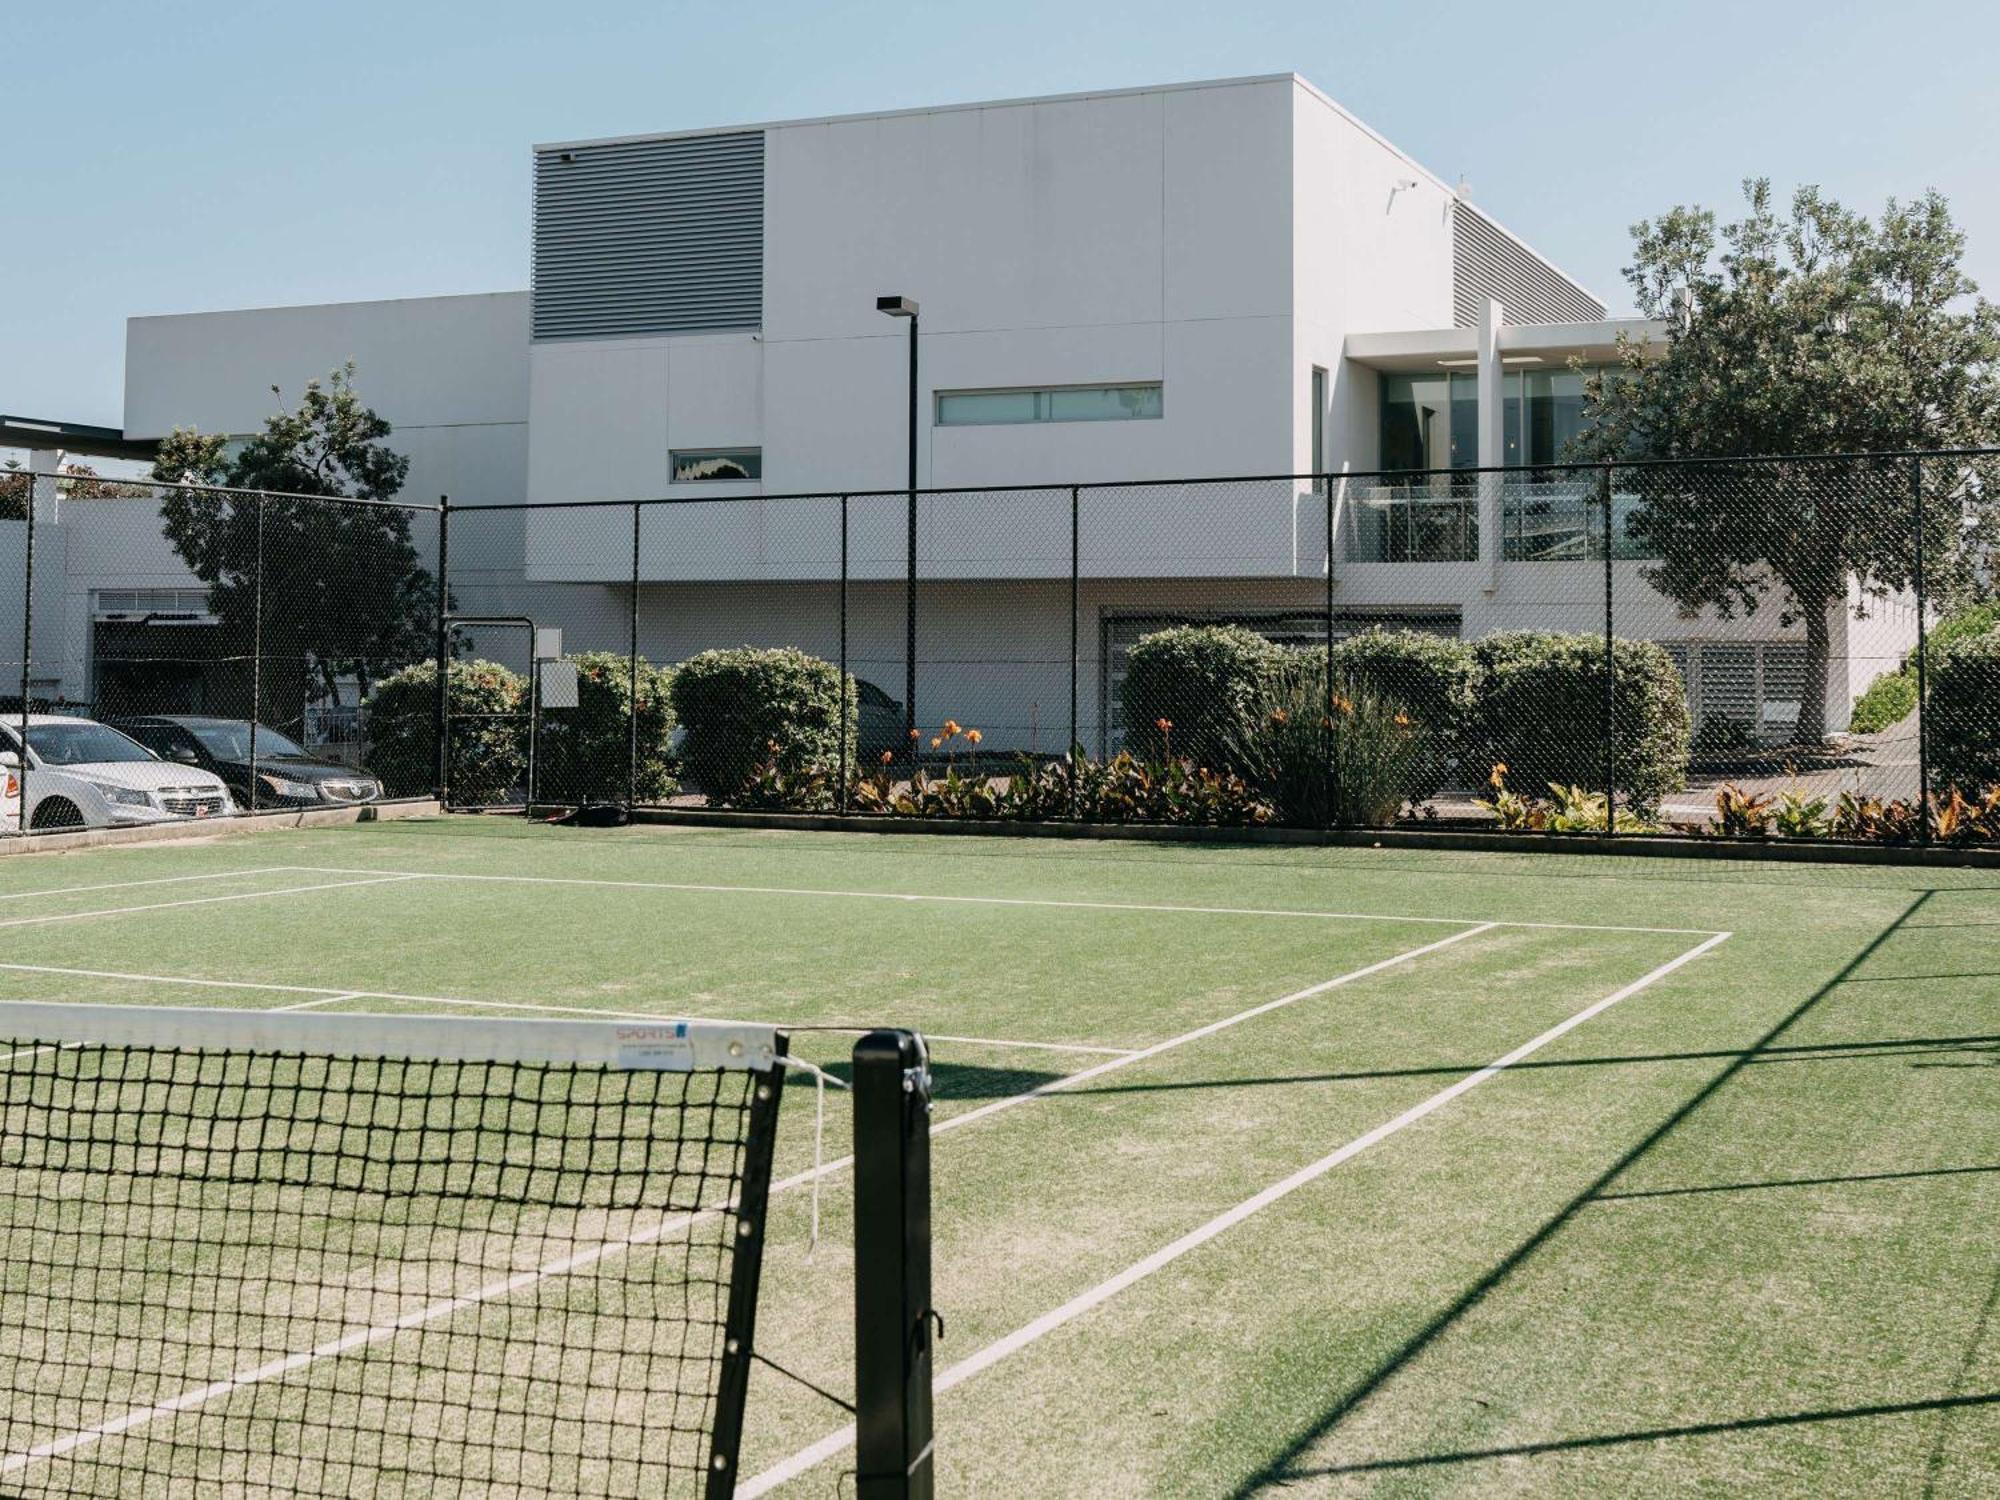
x: 82, y: 774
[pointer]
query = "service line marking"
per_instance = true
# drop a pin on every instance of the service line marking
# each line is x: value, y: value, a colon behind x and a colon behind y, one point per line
x: 813, y: 1455
x: 123, y: 885
x: 122, y: 911
x: 1029, y: 901
x: 331, y: 994
x: 417, y: 1318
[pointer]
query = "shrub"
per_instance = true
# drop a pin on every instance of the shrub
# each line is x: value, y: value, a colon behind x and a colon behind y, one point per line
x: 1202, y: 683
x: 1539, y: 710
x: 1348, y: 763
x: 1888, y: 700
x: 1431, y: 677
x: 771, y: 716
x: 584, y: 754
x: 1962, y: 718
x: 489, y: 756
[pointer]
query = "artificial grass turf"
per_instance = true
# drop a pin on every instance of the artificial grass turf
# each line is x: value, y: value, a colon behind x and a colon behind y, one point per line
x: 1482, y: 1304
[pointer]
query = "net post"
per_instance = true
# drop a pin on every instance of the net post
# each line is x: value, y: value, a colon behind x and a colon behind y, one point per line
x: 746, y: 1269
x: 892, y: 1267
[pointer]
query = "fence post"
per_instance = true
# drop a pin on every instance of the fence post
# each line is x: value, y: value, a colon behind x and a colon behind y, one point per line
x: 1610, y: 668
x: 256, y: 650
x: 841, y: 794
x: 1073, y: 749
x: 1923, y: 652
x: 27, y: 647
x: 632, y: 678
x: 1326, y: 632
x: 441, y: 711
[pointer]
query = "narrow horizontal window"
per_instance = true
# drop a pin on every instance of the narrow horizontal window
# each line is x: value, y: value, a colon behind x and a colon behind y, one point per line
x: 1134, y: 401
x: 687, y: 464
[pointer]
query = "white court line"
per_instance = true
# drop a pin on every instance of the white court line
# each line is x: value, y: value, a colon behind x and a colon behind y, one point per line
x: 121, y: 911
x: 359, y: 1338
x: 810, y: 1457
x: 1129, y: 906
x: 122, y: 885
x: 328, y: 995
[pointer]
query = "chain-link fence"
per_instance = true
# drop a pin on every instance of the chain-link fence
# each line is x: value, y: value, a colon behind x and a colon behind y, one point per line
x: 1752, y: 648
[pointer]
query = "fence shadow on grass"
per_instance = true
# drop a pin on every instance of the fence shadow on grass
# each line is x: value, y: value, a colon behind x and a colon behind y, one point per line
x: 1647, y: 1435
x: 1280, y: 1469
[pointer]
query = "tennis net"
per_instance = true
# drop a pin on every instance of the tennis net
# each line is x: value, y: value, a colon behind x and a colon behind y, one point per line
x: 334, y: 1255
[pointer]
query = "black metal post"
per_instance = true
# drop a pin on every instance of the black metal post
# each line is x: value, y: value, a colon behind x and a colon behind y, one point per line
x: 841, y: 795
x: 27, y: 649
x: 256, y: 650
x: 1075, y: 748
x: 1326, y: 629
x: 910, y: 581
x: 1923, y: 652
x: 746, y: 1269
x: 441, y: 716
x: 1610, y: 668
x: 632, y: 681
x: 892, y: 1268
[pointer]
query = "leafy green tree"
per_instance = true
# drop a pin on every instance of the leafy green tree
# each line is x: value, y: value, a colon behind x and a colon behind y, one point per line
x: 73, y: 482
x: 343, y: 593
x: 1812, y: 332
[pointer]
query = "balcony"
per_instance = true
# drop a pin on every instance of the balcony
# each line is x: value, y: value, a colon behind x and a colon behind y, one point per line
x: 1433, y: 521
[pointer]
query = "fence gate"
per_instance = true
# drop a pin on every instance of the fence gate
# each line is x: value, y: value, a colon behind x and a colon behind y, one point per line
x: 489, y: 728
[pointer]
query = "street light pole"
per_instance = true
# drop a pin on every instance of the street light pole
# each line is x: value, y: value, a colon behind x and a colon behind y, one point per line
x: 905, y: 307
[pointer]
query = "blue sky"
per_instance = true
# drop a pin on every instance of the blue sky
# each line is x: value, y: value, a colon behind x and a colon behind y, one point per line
x: 169, y: 156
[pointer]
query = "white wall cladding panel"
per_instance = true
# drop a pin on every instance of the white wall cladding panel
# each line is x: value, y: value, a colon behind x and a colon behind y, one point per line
x: 1489, y: 262
x: 650, y: 237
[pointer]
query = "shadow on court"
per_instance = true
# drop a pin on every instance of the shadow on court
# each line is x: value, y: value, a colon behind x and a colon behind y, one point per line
x: 1284, y: 1467
x: 955, y: 1080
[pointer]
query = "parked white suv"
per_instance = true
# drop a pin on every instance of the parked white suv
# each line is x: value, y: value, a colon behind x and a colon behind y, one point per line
x: 82, y: 774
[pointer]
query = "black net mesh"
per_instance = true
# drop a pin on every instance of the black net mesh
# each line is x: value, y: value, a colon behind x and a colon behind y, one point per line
x: 243, y: 1272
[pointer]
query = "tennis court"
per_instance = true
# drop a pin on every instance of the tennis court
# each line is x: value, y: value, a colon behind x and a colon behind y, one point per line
x: 1336, y: 1171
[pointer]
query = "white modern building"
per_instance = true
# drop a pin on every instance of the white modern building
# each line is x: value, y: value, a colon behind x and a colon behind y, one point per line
x: 1226, y: 278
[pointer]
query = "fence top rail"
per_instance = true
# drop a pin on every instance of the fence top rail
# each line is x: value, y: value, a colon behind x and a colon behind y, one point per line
x: 233, y: 490
x: 1395, y: 476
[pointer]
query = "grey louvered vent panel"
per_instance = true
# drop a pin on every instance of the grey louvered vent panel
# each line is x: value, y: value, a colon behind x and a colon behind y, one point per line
x: 649, y: 237
x: 1487, y: 261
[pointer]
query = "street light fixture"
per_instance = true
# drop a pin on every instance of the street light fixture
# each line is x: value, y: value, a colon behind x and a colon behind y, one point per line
x: 906, y: 307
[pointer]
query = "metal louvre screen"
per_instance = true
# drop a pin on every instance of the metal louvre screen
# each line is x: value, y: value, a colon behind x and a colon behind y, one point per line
x: 662, y: 236
x: 1487, y: 261
x: 251, y: 1257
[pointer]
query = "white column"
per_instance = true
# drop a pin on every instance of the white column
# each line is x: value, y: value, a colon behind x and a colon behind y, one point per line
x: 1492, y: 440
x: 44, y: 464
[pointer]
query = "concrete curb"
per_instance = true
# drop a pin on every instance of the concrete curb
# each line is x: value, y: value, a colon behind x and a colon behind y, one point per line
x: 204, y: 829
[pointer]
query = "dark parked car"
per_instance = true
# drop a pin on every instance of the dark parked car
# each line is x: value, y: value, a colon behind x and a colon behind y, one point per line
x: 287, y: 774
x: 878, y: 721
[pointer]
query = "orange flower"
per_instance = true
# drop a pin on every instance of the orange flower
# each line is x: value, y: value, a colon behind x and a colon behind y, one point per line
x: 888, y: 757
x: 1278, y: 716
x: 936, y: 740
x: 913, y: 734
x: 1403, y: 720
x: 950, y: 728
x: 972, y: 736
x: 1165, y: 726
x: 1342, y: 705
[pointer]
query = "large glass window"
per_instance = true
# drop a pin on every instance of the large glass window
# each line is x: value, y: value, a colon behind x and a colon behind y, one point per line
x: 1138, y: 401
x: 1432, y: 421
x: 695, y: 464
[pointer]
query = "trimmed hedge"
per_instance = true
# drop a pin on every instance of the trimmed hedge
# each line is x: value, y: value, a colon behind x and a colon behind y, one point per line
x: 1539, y: 710
x: 584, y: 754
x: 1962, y: 718
x: 489, y: 757
x: 1205, y: 681
x: 1431, y: 678
x: 750, y: 709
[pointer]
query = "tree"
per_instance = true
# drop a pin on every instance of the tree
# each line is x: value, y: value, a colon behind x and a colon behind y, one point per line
x: 336, y: 591
x: 1814, y: 333
x: 73, y: 482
